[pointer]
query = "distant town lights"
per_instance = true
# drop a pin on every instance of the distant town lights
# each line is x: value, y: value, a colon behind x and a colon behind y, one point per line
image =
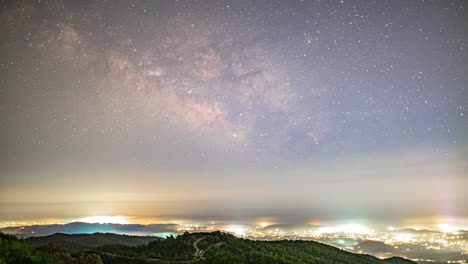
x: 237, y: 230
x: 105, y: 220
x: 354, y: 228
x: 446, y: 228
x: 263, y: 224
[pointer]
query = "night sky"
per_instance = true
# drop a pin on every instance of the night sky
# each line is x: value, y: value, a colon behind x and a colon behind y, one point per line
x: 295, y: 111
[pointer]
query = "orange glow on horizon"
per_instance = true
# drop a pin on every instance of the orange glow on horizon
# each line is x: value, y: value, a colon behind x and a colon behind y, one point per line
x: 122, y: 220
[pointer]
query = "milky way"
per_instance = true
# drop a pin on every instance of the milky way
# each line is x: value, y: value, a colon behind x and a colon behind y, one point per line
x: 240, y: 100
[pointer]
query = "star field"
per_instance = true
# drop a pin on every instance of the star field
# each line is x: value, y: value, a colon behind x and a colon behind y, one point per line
x: 226, y: 88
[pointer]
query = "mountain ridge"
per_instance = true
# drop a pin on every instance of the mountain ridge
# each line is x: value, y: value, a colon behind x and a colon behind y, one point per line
x: 79, y: 242
x: 219, y: 248
x: 203, y: 248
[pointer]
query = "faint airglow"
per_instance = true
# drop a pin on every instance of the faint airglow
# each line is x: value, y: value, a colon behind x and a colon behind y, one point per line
x: 355, y: 229
x: 349, y: 228
x: 105, y: 220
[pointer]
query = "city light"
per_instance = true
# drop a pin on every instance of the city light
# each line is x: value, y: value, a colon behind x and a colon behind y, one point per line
x: 105, y: 220
x: 446, y: 228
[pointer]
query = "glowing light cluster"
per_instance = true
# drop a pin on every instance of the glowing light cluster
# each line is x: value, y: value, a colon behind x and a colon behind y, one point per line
x: 105, y: 220
x: 446, y: 228
x: 238, y: 230
x: 348, y: 228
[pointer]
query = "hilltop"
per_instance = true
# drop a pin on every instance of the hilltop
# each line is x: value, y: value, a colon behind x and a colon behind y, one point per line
x: 220, y: 248
x: 79, y: 242
x: 203, y: 248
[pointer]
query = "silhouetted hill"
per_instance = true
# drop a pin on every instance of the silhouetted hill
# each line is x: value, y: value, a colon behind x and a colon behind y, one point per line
x: 398, y: 260
x: 79, y: 242
x: 374, y: 247
x: 220, y: 248
x: 202, y: 248
x: 14, y: 250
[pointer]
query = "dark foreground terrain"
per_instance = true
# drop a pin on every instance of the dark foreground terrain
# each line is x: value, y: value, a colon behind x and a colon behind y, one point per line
x: 82, y: 242
x: 203, y: 248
